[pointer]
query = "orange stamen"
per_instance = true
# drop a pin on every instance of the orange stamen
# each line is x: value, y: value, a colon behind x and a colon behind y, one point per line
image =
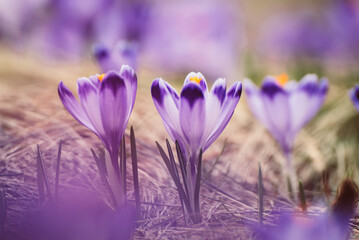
x: 101, y: 77
x: 282, y: 79
x: 195, y: 79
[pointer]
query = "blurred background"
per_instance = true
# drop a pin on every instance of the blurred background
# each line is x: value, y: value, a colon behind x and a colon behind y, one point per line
x: 220, y: 38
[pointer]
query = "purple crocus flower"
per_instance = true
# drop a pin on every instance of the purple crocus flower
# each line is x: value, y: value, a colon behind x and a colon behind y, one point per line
x: 195, y: 119
x: 106, y: 102
x: 354, y: 95
x: 198, y: 116
x: 284, y: 108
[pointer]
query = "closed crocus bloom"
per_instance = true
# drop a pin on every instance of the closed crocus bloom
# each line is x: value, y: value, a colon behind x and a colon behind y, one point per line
x: 284, y: 107
x: 198, y: 116
x: 354, y: 95
x: 106, y: 102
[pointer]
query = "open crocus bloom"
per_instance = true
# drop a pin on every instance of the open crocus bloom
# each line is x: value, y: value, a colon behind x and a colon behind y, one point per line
x: 106, y: 102
x: 285, y: 107
x: 198, y: 116
x: 354, y: 95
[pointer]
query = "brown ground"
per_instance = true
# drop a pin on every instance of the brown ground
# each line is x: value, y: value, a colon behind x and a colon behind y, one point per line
x: 31, y: 114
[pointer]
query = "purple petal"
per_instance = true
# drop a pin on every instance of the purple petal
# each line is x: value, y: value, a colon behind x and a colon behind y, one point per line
x: 95, y: 81
x: 214, y: 105
x: 192, y: 112
x: 167, y: 108
x: 202, y: 83
x: 73, y: 106
x: 230, y: 103
x: 255, y: 101
x: 89, y: 98
x: 173, y: 93
x: 250, y: 87
x: 270, y: 87
x: 278, y: 113
x: 219, y: 89
x: 306, y: 101
x: 354, y: 95
x: 113, y: 108
x: 130, y: 78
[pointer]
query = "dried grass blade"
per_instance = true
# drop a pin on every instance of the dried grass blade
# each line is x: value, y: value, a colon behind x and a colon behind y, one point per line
x: 182, y: 166
x: 43, y: 171
x: 58, y: 168
x: 172, y: 158
x: 181, y: 192
x: 40, y: 178
x: 135, y: 168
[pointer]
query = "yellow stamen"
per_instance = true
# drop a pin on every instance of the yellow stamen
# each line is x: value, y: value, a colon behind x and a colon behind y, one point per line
x: 101, y: 77
x: 195, y: 79
x: 282, y: 79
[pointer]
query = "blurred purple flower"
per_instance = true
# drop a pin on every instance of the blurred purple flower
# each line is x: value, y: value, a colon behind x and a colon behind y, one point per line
x: 284, y: 108
x: 333, y: 32
x: 321, y: 227
x: 112, y: 59
x: 205, y: 35
x: 82, y: 216
x: 343, y: 18
x: 198, y: 116
x: 106, y: 102
x: 354, y: 95
x: 296, y: 34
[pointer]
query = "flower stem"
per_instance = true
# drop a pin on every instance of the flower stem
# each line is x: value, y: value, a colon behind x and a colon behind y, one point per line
x: 291, y: 176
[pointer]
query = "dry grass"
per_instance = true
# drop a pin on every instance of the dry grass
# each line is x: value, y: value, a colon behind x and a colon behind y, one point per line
x: 31, y: 113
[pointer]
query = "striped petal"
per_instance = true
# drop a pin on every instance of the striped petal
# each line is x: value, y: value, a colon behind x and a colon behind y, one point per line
x: 89, y: 98
x: 130, y: 78
x: 192, y: 112
x: 275, y: 102
x: 113, y: 108
x: 73, y: 106
x: 214, y: 105
x: 167, y: 108
x: 233, y: 95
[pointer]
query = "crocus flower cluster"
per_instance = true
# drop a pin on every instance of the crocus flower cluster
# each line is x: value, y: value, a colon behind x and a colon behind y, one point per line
x: 285, y: 107
x: 354, y: 95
